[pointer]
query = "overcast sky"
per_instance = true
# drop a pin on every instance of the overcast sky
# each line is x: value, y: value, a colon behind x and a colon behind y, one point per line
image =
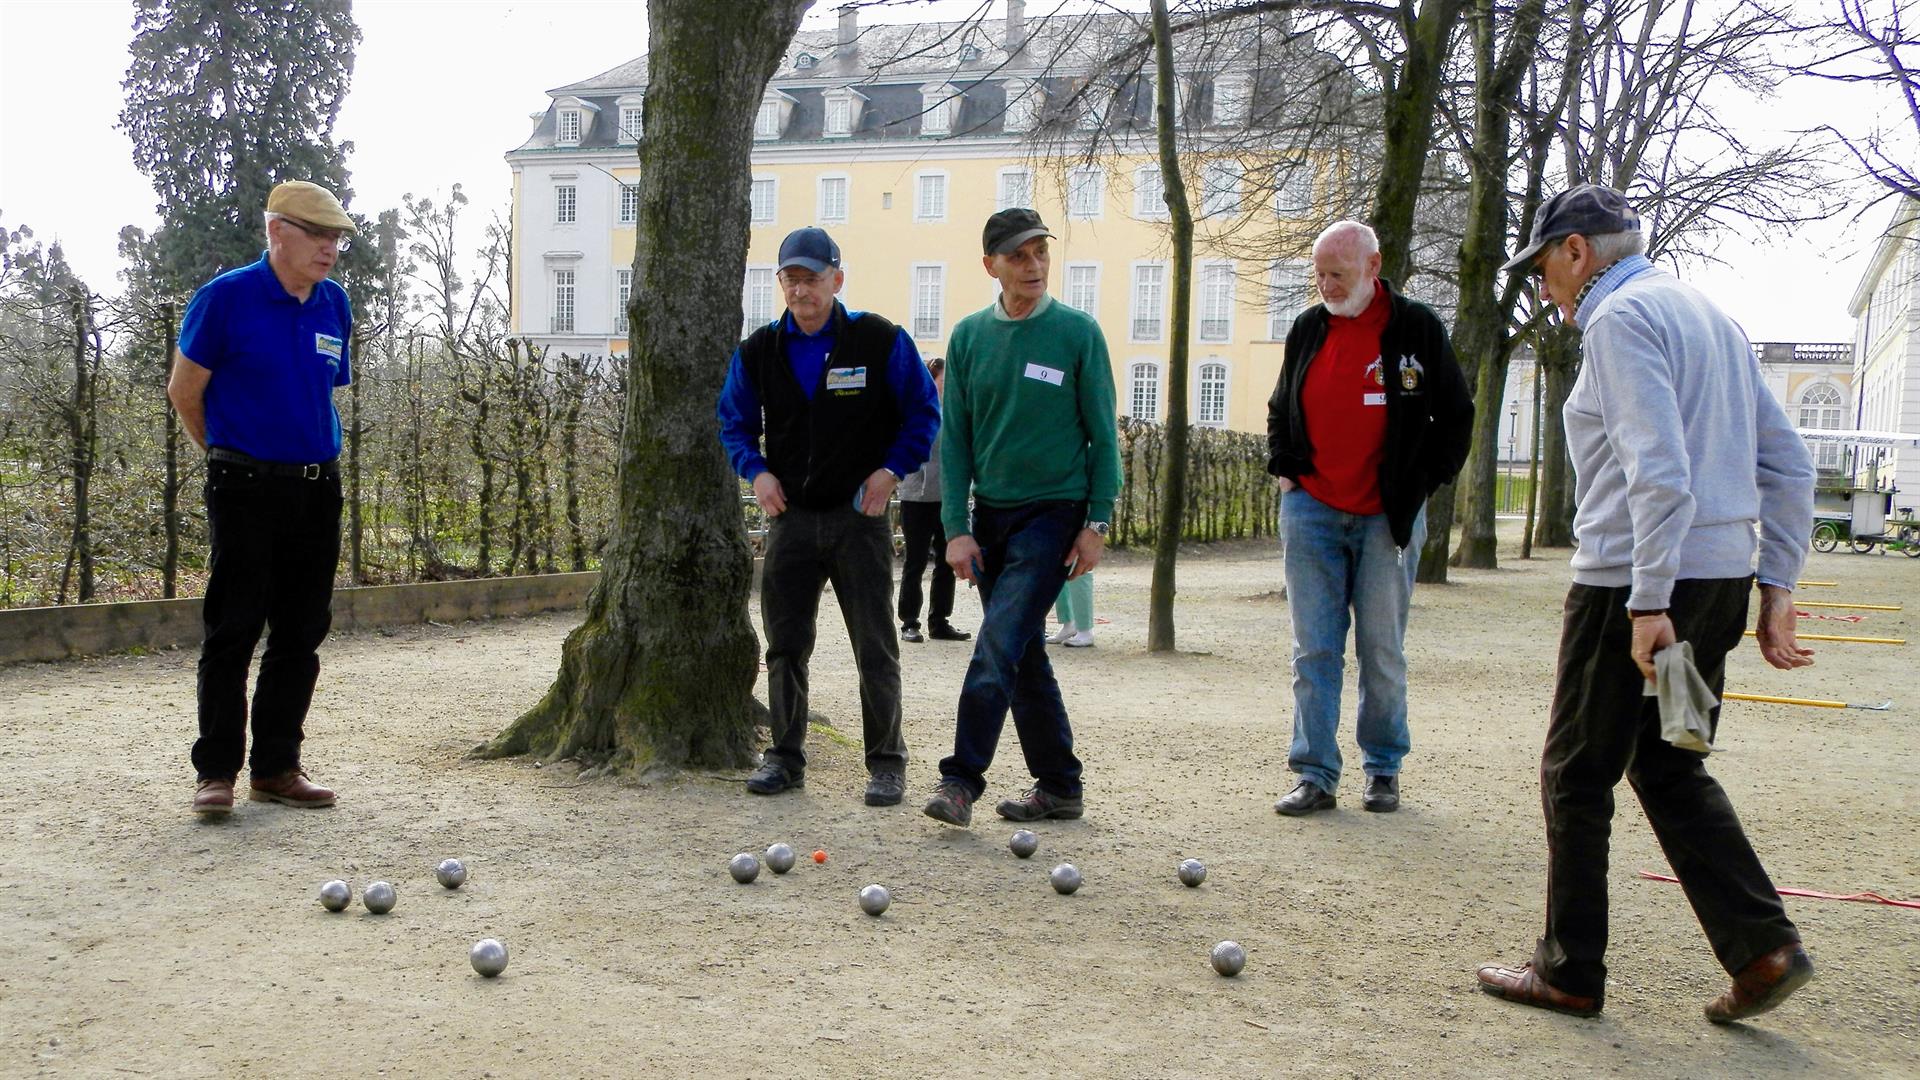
x: 441, y: 90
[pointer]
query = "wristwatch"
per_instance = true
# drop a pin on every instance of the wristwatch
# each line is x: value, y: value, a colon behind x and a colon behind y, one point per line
x: 1641, y: 614
x: 1099, y: 527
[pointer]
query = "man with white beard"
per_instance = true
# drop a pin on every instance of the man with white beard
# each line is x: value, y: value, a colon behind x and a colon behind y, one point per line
x: 1370, y: 416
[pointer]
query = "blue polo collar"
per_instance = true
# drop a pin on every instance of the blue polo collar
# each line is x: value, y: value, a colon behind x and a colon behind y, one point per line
x: 1611, y: 278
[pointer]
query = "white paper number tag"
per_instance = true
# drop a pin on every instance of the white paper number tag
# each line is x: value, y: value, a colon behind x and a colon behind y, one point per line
x: 1047, y: 375
x: 1373, y: 399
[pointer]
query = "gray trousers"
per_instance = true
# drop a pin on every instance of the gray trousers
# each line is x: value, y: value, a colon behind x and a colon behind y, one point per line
x: 806, y: 549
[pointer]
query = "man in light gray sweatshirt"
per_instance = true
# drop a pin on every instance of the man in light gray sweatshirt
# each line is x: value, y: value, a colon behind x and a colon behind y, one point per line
x: 1679, y: 451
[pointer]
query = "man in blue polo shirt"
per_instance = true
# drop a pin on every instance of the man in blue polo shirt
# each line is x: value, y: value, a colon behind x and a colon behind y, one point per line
x: 261, y: 350
x: 847, y: 409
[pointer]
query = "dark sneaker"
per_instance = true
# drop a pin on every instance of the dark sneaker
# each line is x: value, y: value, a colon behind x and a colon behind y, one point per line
x: 1039, y: 803
x: 911, y: 633
x: 1383, y: 794
x: 290, y: 788
x: 943, y: 632
x: 1305, y: 798
x: 213, y: 797
x: 773, y: 777
x: 951, y: 803
x: 886, y: 789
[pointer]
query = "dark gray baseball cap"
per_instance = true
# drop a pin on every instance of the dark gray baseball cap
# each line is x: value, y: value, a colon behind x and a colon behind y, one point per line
x: 1587, y: 209
x: 810, y: 248
x: 1010, y: 228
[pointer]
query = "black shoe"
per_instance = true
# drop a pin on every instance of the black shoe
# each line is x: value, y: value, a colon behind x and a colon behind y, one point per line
x: 912, y: 633
x: 1304, y: 799
x: 773, y: 777
x: 951, y: 803
x: 886, y: 789
x: 943, y: 632
x: 1038, y: 803
x: 1383, y: 794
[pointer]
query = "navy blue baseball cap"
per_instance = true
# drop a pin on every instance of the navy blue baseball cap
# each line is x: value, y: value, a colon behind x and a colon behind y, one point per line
x: 1587, y: 209
x: 811, y: 248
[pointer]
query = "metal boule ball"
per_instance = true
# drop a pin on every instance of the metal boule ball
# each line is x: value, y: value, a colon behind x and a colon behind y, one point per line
x: 780, y: 858
x: 335, y: 895
x: 1065, y: 879
x: 488, y: 957
x: 1024, y: 843
x: 379, y: 897
x: 1228, y: 958
x: 451, y: 872
x: 874, y: 899
x: 1192, y: 873
x: 744, y: 868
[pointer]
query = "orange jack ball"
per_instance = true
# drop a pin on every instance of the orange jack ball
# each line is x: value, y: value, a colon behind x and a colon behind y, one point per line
x: 819, y: 856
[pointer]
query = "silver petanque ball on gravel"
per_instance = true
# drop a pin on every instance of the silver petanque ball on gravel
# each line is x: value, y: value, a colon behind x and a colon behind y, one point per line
x: 744, y: 868
x: 780, y: 858
x: 335, y: 895
x: 1065, y: 879
x: 1228, y: 958
x: 379, y: 897
x: 1024, y: 843
x: 451, y: 872
x: 1192, y: 873
x: 874, y: 899
x: 488, y: 957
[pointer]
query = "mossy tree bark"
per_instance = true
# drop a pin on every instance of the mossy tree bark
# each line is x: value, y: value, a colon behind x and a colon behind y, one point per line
x: 660, y: 673
x: 1559, y: 348
x: 1409, y: 105
x: 1166, y: 546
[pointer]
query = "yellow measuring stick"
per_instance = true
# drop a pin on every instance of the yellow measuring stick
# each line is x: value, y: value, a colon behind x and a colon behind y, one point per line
x: 1820, y: 584
x: 1839, y: 637
x: 1860, y: 607
x: 1817, y: 703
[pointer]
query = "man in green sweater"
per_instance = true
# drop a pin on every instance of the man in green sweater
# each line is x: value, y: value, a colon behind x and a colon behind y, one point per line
x: 1028, y: 425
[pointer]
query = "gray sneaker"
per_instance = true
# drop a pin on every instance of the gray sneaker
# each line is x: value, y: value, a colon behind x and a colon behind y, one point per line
x: 1040, y: 803
x: 951, y: 803
x: 773, y: 777
x: 886, y: 788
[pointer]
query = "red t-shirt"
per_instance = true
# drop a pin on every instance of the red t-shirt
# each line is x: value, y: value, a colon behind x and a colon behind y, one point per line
x: 1345, y: 404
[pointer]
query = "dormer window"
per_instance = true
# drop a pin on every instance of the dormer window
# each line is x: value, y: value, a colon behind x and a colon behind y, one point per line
x: 1096, y: 99
x: 940, y: 106
x: 843, y: 108
x: 631, y: 112
x: 775, y: 109
x: 805, y: 61
x: 969, y: 52
x: 1232, y: 94
x: 1023, y: 105
x: 569, y: 127
x: 570, y: 120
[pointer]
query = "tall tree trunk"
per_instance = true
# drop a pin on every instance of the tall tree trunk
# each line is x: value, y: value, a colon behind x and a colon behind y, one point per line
x: 170, y: 486
x: 1481, y: 324
x: 575, y: 389
x: 82, y: 433
x: 1533, y: 470
x: 660, y: 673
x: 1559, y: 350
x: 355, y: 525
x: 1166, y: 545
x: 1408, y: 122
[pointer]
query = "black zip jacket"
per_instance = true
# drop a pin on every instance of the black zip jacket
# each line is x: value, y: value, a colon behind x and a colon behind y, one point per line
x: 1429, y: 409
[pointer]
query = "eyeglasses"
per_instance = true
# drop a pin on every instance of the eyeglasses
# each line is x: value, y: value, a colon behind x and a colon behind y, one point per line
x: 1538, y: 271
x: 341, y: 241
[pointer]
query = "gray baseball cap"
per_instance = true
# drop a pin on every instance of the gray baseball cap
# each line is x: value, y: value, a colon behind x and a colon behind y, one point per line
x: 1587, y: 209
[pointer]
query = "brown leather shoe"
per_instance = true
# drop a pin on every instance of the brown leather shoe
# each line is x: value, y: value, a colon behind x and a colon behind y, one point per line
x: 1528, y: 988
x: 1763, y: 984
x: 291, y: 788
x: 213, y: 797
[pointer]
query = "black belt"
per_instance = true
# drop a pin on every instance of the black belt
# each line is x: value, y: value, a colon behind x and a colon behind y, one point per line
x: 319, y: 470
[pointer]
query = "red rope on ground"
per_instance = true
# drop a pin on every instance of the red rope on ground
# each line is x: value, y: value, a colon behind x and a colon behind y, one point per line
x: 1862, y: 897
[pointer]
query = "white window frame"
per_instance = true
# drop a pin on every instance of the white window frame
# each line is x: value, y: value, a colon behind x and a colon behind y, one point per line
x: 1200, y: 392
x: 575, y: 117
x: 1023, y: 105
x: 1158, y: 383
x: 1135, y: 316
x: 566, y: 204
x: 626, y: 197
x: 927, y: 327
x: 820, y: 198
x: 940, y: 108
x: 632, y: 114
x: 1149, y: 193
x: 1215, y: 326
x: 771, y: 121
x: 1082, y: 179
x: 1232, y: 94
x: 1815, y: 414
x: 1216, y: 198
x: 564, y: 315
x: 1067, y: 287
x: 772, y: 200
x: 622, y: 292
x: 748, y: 321
x: 1284, y: 306
x: 1009, y: 172
x: 1293, y: 182
x: 925, y: 209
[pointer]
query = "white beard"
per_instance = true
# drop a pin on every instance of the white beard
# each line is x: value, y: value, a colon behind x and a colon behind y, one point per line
x: 1355, y: 303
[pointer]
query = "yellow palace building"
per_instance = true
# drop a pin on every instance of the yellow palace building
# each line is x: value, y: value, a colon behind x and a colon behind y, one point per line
x: 900, y: 140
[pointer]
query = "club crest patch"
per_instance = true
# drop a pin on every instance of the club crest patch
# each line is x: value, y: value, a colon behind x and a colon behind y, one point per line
x: 1410, y: 372
x: 846, y: 380
x: 1374, y: 373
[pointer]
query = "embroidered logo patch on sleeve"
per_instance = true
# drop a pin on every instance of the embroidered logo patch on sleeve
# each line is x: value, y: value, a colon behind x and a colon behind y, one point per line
x: 329, y: 346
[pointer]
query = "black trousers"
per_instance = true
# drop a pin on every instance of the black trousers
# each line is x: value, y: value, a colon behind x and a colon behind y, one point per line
x: 922, y: 533
x: 1603, y: 727
x: 805, y: 550
x: 276, y: 544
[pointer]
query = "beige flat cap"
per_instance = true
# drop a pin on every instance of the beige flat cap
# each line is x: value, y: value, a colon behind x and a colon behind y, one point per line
x: 310, y: 203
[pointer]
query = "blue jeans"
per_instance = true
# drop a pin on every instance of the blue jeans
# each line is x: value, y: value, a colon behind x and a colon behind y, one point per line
x: 1343, y: 569
x: 1023, y: 551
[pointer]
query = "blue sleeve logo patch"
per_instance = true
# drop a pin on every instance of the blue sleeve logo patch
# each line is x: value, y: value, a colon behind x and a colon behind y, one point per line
x: 329, y: 346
